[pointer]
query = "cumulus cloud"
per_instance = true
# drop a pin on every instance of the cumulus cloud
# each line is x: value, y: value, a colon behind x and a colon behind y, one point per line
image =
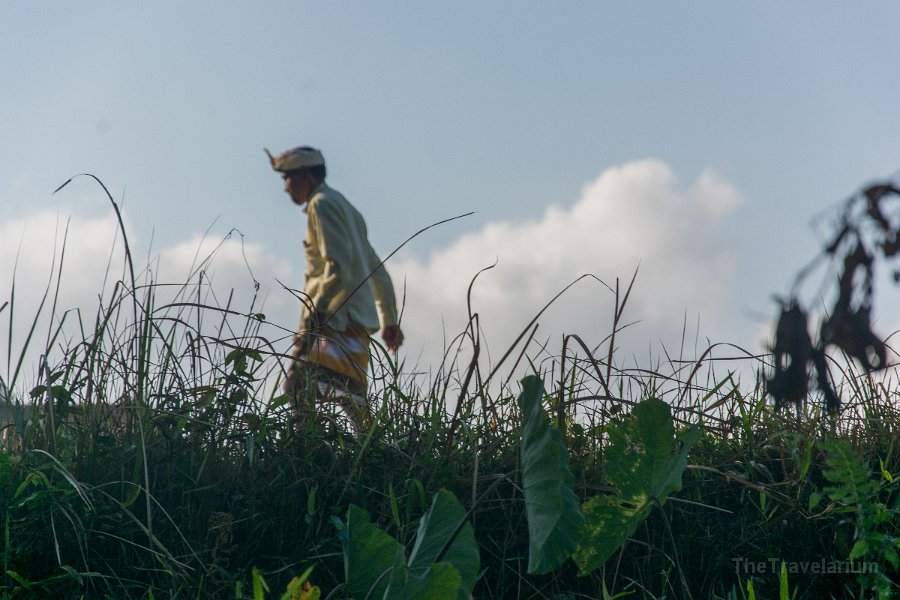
x: 635, y: 215
x: 32, y: 248
x: 231, y: 266
x: 79, y: 259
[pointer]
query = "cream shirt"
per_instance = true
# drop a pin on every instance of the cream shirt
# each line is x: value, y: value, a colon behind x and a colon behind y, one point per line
x: 338, y: 258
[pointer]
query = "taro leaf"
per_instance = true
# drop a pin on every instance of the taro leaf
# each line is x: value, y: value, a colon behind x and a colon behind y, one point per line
x: 644, y: 462
x: 368, y: 554
x: 399, y: 577
x: 439, y: 581
x: 608, y: 525
x: 645, y: 465
x: 554, y: 517
x: 436, y: 529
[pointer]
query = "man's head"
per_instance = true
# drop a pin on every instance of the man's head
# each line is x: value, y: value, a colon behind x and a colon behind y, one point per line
x: 302, y: 169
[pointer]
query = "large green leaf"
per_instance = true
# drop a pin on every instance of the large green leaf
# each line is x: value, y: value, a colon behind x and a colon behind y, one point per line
x: 645, y: 464
x: 554, y: 517
x: 443, y: 565
x: 644, y: 461
x: 608, y: 524
x: 440, y: 581
x: 369, y: 553
x: 436, y: 529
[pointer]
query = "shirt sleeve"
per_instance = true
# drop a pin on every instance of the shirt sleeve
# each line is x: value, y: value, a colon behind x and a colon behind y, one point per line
x: 383, y: 288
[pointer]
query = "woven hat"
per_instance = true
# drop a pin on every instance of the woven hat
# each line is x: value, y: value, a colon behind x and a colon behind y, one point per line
x: 301, y: 157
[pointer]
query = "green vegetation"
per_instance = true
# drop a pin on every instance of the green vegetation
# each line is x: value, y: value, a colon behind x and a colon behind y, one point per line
x: 154, y: 458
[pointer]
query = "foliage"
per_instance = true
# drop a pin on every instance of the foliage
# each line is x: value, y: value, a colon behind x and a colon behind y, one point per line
x: 645, y: 466
x: 210, y: 475
x: 866, y: 229
x: 443, y: 563
x: 642, y: 463
x: 859, y: 499
x: 149, y: 454
x: 299, y: 588
x: 554, y: 519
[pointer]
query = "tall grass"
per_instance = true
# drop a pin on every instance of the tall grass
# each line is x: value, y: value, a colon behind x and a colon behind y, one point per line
x: 155, y: 457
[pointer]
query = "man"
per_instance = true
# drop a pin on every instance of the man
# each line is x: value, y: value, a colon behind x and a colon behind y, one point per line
x: 348, y: 293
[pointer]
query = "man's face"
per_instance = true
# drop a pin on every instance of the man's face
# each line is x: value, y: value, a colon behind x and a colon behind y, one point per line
x: 299, y: 185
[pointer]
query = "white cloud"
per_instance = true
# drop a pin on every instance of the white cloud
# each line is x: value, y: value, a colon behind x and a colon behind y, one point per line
x: 31, y: 250
x: 93, y: 260
x: 32, y: 247
x: 635, y: 214
x: 230, y: 264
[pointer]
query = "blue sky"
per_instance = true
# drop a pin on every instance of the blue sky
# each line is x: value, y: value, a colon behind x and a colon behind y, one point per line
x: 755, y: 116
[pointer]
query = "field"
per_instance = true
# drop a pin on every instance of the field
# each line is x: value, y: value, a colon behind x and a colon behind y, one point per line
x: 154, y: 457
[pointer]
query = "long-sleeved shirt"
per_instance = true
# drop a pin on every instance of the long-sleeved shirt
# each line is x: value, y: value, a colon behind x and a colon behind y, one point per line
x: 338, y: 258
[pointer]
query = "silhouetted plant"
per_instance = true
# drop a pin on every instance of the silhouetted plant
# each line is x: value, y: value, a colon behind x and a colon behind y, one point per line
x: 867, y: 229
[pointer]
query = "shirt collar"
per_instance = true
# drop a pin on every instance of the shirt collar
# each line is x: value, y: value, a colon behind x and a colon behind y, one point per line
x: 318, y: 190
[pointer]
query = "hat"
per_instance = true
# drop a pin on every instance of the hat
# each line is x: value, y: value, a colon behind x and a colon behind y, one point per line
x: 296, y: 158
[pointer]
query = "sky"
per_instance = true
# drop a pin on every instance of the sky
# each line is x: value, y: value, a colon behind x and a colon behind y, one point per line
x: 692, y: 143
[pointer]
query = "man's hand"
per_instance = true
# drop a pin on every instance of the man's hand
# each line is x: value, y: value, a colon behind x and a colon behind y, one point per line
x: 393, y: 337
x: 317, y: 319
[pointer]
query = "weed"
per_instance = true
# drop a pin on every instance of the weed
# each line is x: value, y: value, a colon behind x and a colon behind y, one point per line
x: 150, y: 455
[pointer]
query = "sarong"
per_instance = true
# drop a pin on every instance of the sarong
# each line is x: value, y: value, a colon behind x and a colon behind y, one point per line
x: 341, y: 357
x: 331, y: 366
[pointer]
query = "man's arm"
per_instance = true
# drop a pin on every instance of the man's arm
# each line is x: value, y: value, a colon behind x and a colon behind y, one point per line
x: 385, y: 302
x: 393, y: 337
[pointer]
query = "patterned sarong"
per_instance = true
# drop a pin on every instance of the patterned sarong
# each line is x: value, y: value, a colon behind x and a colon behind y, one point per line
x: 331, y: 366
x: 344, y: 354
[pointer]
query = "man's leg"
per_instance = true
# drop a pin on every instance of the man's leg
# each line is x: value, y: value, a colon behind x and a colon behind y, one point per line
x: 301, y: 383
x: 343, y: 359
x: 349, y: 394
x: 339, y: 360
x: 309, y: 385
